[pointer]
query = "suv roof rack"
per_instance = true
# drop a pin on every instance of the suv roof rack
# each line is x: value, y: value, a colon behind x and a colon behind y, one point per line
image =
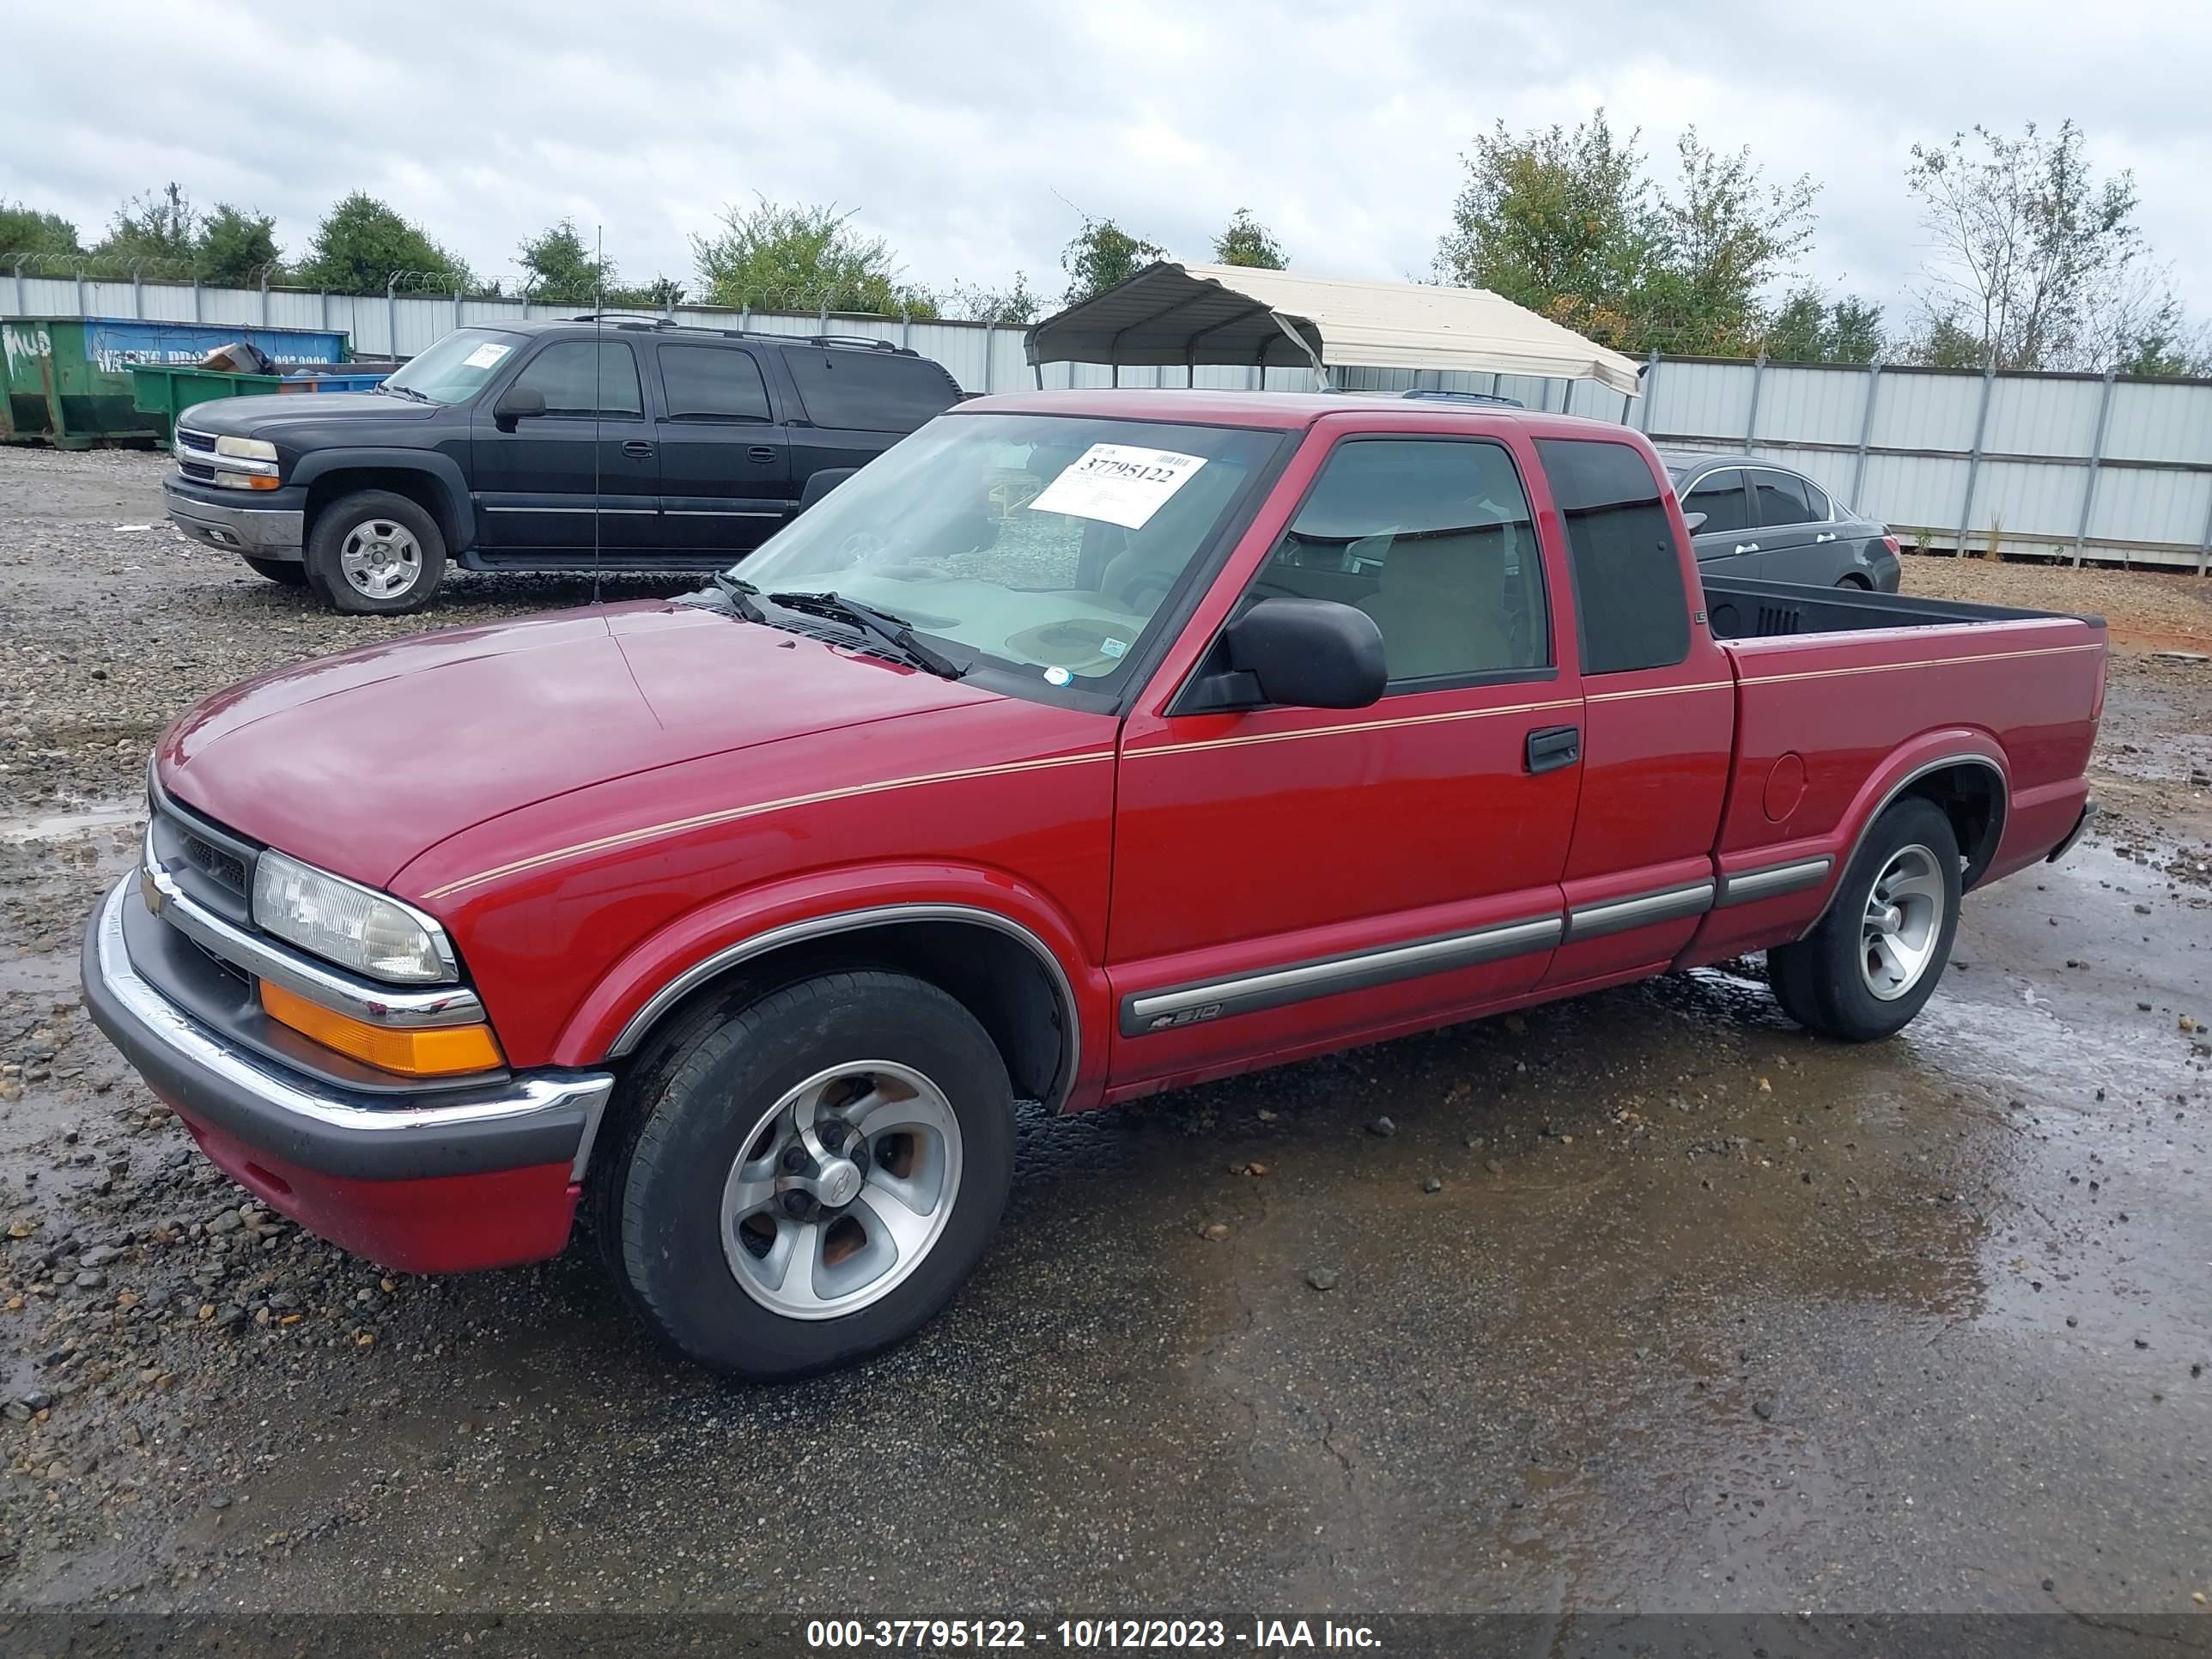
x: 840, y: 342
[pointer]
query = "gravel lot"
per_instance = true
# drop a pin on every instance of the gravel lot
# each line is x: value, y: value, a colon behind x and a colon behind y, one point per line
x: 1644, y: 1301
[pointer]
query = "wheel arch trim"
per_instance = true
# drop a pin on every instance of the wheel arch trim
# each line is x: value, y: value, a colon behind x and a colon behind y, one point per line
x: 754, y: 945
x: 1902, y: 786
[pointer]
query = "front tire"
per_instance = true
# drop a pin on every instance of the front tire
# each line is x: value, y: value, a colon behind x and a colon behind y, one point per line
x: 285, y: 573
x: 1873, y: 959
x: 376, y: 554
x: 810, y: 1176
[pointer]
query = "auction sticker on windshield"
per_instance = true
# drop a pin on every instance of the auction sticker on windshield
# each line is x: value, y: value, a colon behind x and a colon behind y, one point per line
x: 486, y: 355
x: 1120, y: 483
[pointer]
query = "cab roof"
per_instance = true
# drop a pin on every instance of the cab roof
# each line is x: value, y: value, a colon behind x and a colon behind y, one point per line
x: 1284, y: 411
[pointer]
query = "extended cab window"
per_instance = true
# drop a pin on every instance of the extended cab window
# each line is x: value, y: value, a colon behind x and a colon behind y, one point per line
x: 862, y: 391
x: 1431, y: 538
x: 585, y: 377
x: 713, y: 383
x: 1630, y: 608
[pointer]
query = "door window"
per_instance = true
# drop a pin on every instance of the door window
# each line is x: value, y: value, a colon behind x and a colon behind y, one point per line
x: 1629, y: 606
x: 1781, y: 499
x: 713, y: 383
x: 857, y: 390
x: 1435, y: 541
x: 1720, y: 497
x: 585, y: 377
x: 1822, y: 509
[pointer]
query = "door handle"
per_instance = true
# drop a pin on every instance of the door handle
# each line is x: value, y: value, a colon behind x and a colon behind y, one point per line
x: 1746, y: 547
x: 764, y: 454
x: 638, y: 447
x: 1551, y: 747
x: 1825, y: 536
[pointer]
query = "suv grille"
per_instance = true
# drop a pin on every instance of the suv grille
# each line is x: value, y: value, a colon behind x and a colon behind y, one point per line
x: 195, y: 452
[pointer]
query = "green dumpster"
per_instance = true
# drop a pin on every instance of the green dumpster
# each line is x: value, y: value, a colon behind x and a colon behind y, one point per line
x: 164, y: 392
x: 68, y: 380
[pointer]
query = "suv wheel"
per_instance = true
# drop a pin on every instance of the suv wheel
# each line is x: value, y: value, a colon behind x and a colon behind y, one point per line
x: 810, y: 1175
x: 1872, y: 961
x: 373, y: 553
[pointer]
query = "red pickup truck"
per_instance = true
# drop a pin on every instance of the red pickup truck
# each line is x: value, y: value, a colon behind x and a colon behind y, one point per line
x: 1083, y: 746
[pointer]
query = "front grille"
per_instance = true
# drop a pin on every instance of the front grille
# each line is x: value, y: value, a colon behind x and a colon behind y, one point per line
x: 211, y: 865
x: 195, y: 452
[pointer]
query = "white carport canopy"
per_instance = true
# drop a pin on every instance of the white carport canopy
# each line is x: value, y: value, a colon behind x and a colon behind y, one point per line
x: 1190, y: 314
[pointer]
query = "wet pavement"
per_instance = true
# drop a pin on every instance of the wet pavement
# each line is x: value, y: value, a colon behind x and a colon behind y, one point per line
x: 1647, y: 1301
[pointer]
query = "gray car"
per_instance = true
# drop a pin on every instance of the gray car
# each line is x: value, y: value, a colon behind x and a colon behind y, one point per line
x: 1751, y: 518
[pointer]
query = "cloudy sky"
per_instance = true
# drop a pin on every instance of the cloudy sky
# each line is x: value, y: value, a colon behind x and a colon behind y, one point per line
x: 973, y: 135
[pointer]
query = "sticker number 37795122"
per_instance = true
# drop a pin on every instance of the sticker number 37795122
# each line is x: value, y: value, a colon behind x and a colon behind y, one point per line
x: 1120, y: 483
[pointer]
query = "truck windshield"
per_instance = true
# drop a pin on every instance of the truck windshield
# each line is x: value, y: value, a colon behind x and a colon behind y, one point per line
x: 1045, y: 544
x: 454, y: 370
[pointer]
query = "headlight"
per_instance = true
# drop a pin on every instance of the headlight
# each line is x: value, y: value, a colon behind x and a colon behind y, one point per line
x: 349, y: 924
x: 246, y: 449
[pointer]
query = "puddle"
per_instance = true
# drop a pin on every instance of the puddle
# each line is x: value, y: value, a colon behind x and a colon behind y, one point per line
x: 65, y: 826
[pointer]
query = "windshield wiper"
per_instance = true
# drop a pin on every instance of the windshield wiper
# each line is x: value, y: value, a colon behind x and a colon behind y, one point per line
x: 892, y: 631
x: 404, y: 391
x: 740, y: 592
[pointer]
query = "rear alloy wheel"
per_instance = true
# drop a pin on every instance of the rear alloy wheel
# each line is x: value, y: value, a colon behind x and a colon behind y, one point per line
x: 374, y: 553
x: 809, y: 1175
x: 1873, y: 959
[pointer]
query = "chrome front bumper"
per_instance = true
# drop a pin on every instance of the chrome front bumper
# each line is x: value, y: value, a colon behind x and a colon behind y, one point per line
x: 527, y: 1119
x: 264, y: 533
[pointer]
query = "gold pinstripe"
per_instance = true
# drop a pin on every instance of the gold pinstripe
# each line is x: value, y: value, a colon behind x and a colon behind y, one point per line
x: 1660, y: 691
x: 730, y: 815
x: 1922, y: 662
x: 1353, y: 726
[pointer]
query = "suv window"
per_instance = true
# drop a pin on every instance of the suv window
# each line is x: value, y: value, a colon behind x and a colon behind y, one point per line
x: 1781, y: 499
x: 713, y: 383
x: 1720, y: 497
x: 1630, y: 611
x: 864, y: 391
x: 585, y: 377
x: 1432, y: 538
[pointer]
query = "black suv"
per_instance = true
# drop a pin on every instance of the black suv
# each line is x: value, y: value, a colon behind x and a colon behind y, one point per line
x: 627, y: 441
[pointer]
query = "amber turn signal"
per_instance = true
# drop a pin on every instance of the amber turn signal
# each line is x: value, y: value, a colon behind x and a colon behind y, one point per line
x: 438, y: 1051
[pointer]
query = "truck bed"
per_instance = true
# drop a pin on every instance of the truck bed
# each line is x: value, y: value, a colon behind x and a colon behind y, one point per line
x: 1741, y: 609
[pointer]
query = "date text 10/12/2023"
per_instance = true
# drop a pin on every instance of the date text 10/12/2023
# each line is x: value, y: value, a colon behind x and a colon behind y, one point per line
x: 1263, y: 1636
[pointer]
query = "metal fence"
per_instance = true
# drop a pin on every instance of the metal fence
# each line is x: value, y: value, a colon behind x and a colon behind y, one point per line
x: 2064, y: 466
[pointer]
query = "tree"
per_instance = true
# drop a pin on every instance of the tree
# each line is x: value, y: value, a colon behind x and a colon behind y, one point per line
x: 2031, y: 251
x: 1006, y: 308
x: 1101, y: 254
x: 362, y: 244
x: 662, y: 294
x: 235, y: 248
x: 157, y: 234
x: 28, y: 233
x: 1246, y: 241
x: 1727, y: 237
x: 1808, y: 329
x: 1562, y: 223
x: 802, y: 257
x: 562, y: 268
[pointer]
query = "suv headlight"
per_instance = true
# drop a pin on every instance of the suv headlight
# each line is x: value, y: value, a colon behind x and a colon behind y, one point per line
x: 246, y: 464
x: 346, y: 923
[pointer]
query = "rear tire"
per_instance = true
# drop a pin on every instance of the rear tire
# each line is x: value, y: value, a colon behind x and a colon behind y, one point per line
x: 285, y: 573
x: 1873, y: 959
x: 810, y: 1175
x: 374, y: 554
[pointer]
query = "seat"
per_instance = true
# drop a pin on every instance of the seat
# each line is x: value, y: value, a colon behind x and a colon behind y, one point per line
x: 1441, y: 605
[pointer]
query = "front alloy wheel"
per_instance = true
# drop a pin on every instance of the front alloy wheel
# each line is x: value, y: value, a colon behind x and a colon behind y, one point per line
x: 381, y: 559
x: 800, y: 1178
x: 844, y: 1186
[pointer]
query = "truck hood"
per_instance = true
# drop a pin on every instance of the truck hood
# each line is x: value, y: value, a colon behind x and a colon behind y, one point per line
x: 276, y: 416
x: 358, y: 762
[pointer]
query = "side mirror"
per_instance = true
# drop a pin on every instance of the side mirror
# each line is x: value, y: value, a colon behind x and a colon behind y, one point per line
x: 516, y: 402
x: 1308, y: 653
x: 1693, y: 522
